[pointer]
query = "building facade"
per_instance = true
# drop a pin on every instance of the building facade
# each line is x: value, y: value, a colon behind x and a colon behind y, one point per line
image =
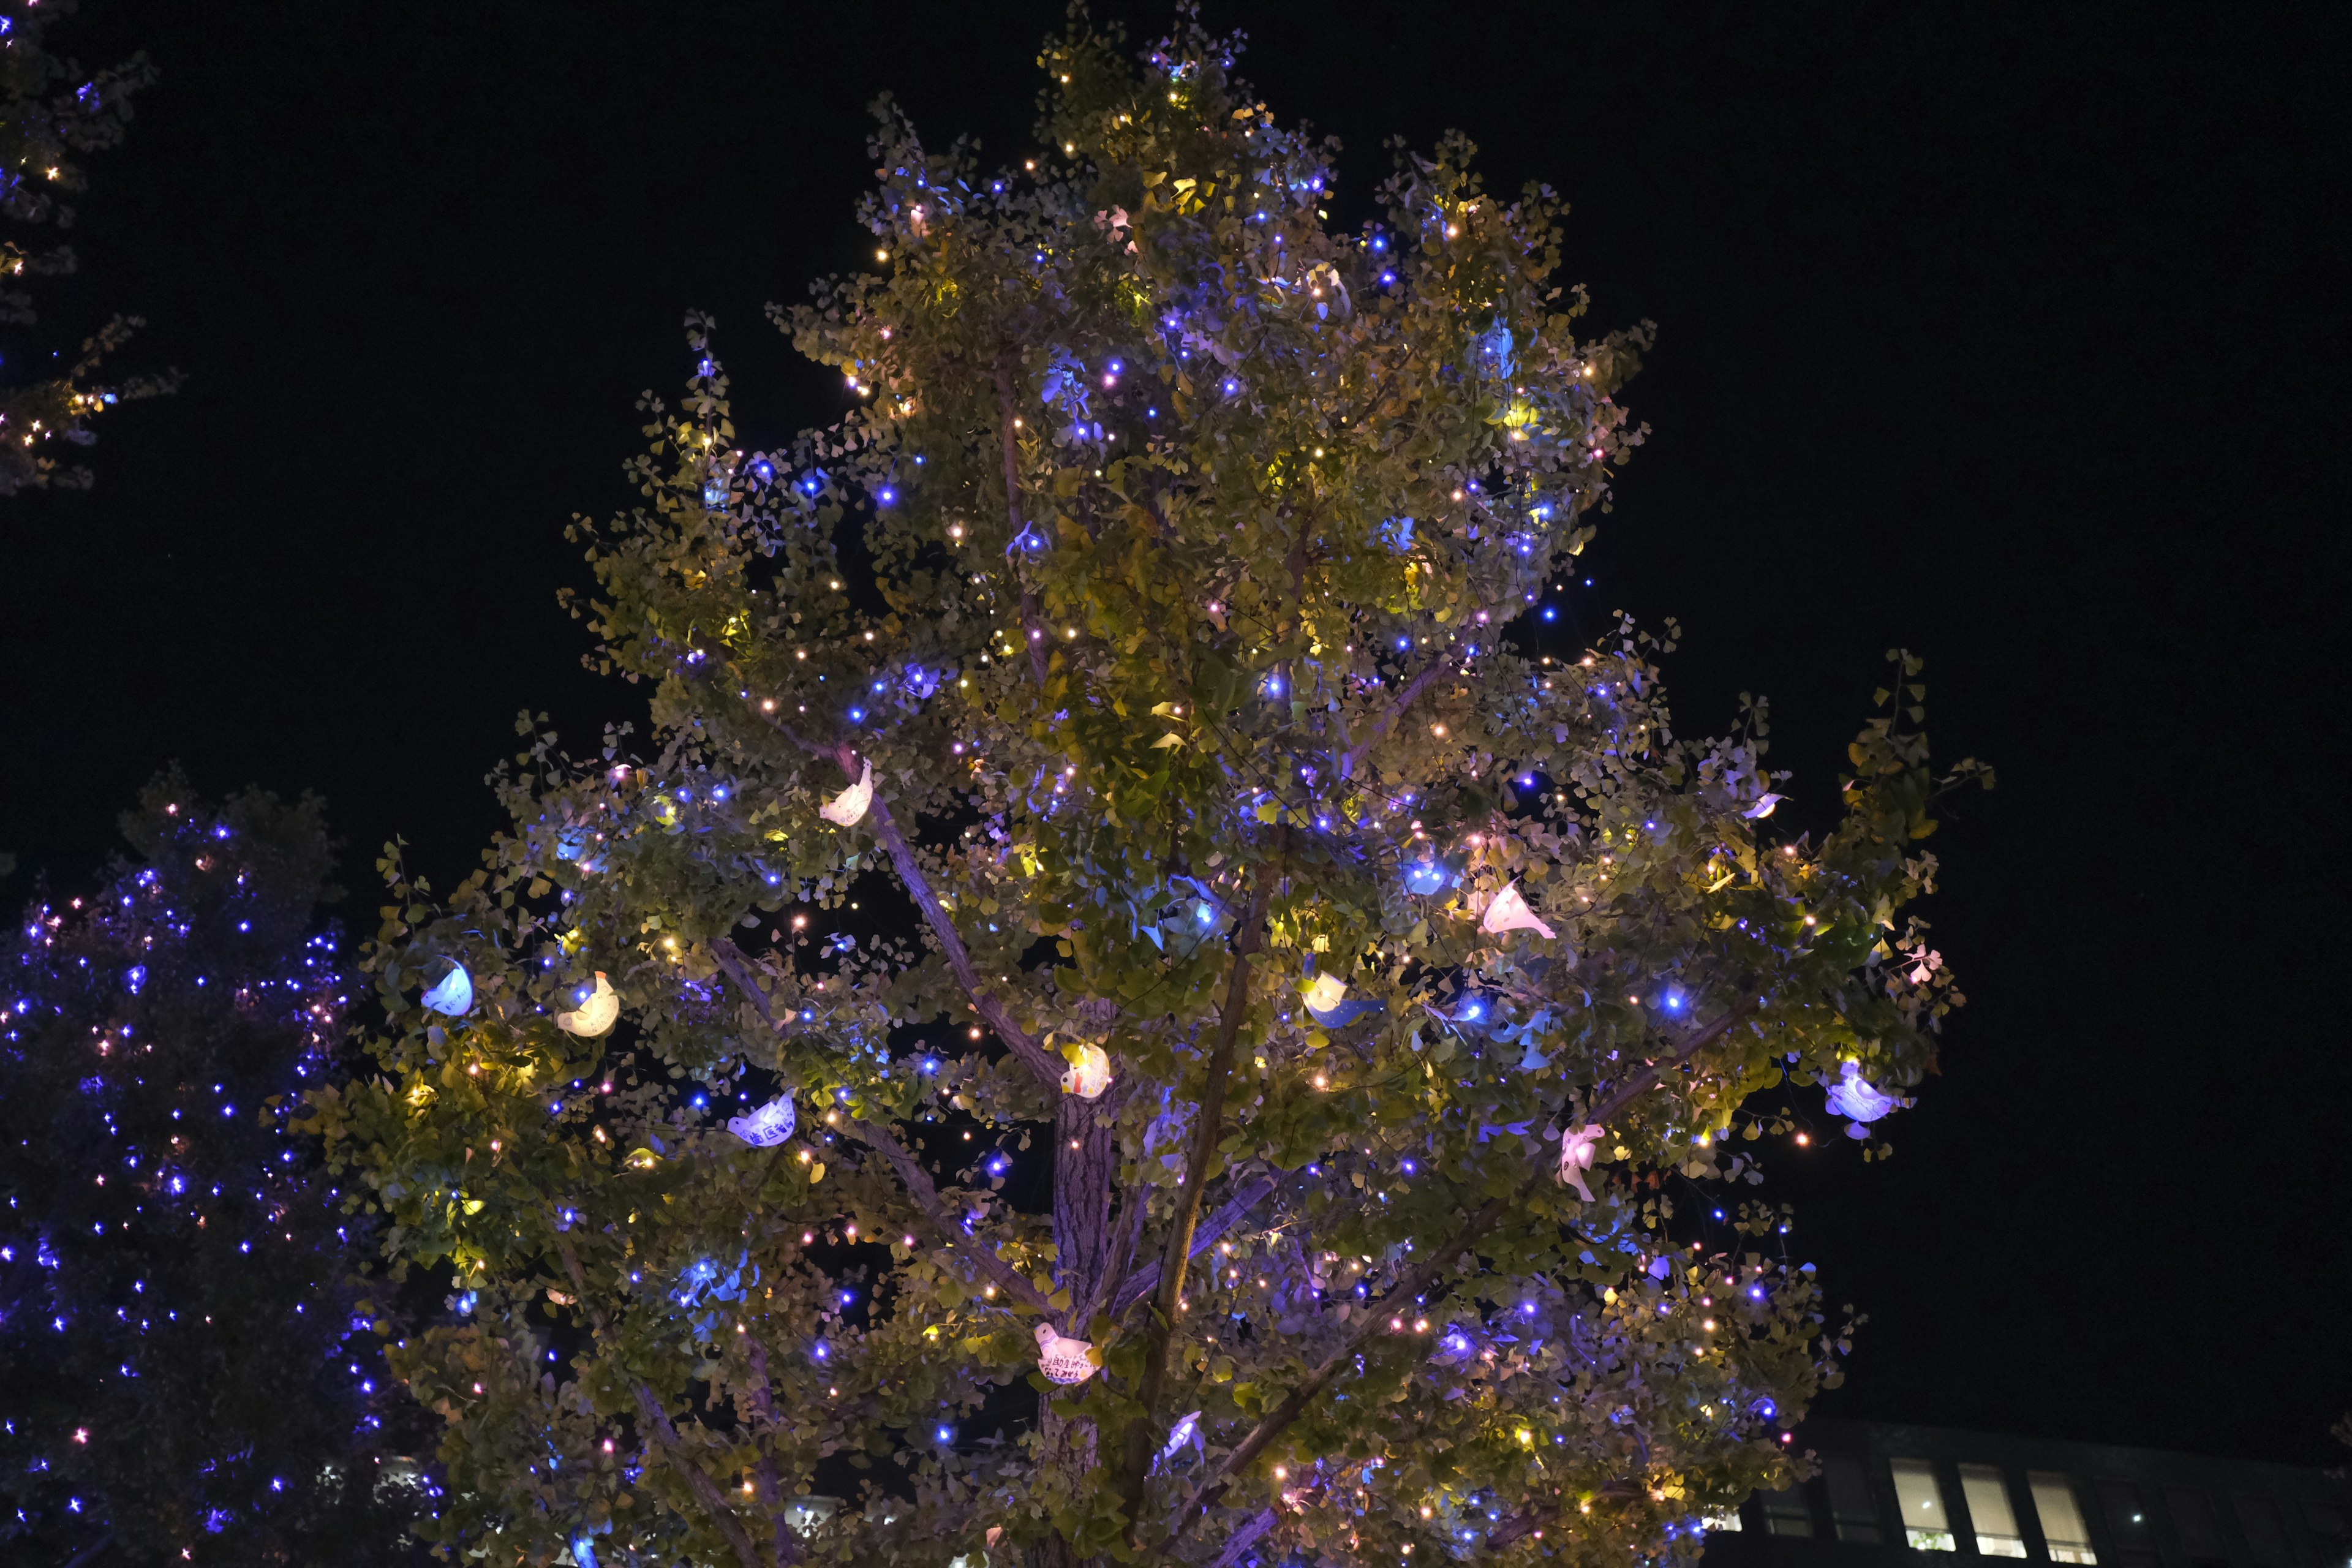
x: 1904, y: 1496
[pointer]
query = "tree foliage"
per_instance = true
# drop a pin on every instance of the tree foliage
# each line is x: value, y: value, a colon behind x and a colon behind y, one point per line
x: 1171, y: 571
x: 50, y: 115
x: 184, y: 1371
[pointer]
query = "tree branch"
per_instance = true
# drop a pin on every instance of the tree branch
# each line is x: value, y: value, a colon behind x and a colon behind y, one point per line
x: 926, y: 1198
x: 772, y: 1491
x: 1146, y: 1280
x: 1029, y: 620
x: 666, y: 1438
x: 1208, y: 1131
x: 884, y: 827
x: 918, y: 1181
x: 1245, y: 1536
x: 1354, y: 756
x: 1416, y: 1284
x: 705, y: 1490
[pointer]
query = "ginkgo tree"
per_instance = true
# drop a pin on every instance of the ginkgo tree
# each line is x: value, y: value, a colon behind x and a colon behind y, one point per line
x: 1132, y: 1013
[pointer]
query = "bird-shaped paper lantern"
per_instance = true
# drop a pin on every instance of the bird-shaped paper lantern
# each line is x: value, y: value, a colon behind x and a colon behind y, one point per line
x: 1854, y: 1096
x: 1509, y: 912
x: 847, y: 809
x: 1426, y: 876
x: 1763, y: 806
x: 571, y: 843
x: 1576, y: 1152
x: 768, y: 1126
x: 453, y: 997
x: 1327, y: 1004
x: 1063, y: 1358
x: 1187, y: 1430
x: 595, y: 1015
x: 1090, y: 1075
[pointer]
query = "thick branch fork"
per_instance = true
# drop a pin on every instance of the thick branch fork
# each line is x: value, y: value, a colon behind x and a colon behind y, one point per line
x: 1213, y: 1485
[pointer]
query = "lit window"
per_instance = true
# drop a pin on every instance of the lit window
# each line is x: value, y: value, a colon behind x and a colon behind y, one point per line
x: 1927, y: 1526
x: 1996, y: 1522
x: 2062, y: 1530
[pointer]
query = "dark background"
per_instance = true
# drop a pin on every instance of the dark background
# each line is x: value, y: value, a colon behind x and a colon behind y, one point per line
x: 2013, y: 336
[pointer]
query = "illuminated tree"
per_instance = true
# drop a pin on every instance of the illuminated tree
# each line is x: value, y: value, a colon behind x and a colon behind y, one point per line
x: 1171, y: 583
x: 50, y: 113
x: 185, y: 1373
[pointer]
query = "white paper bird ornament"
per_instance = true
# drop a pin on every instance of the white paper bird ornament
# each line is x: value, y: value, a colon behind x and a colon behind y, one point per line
x: 1763, y: 806
x: 1063, y: 1358
x: 1506, y: 910
x: 848, y: 808
x: 768, y: 1126
x: 1576, y: 1154
x: 1090, y: 1075
x: 595, y: 1016
x: 1854, y: 1096
x: 453, y: 997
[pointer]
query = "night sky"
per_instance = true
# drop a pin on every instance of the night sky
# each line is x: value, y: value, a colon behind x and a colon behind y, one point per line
x: 2014, y: 338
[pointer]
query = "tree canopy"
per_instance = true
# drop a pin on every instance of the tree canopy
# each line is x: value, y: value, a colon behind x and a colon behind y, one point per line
x: 1131, y: 1002
x: 51, y: 114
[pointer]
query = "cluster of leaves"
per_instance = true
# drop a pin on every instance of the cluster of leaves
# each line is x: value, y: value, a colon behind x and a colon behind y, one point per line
x: 186, y: 1370
x: 1168, y: 571
x: 50, y: 115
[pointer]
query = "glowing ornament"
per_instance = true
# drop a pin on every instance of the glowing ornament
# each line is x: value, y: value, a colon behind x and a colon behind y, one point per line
x: 1576, y: 1152
x: 1326, y: 1003
x: 1186, y: 1430
x: 1855, y: 1097
x: 594, y: 1017
x: 1062, y: 1359
x: 572, y: 844
x: 768, y: 1126
x: 1090, y: 1075
x: 453, y: 997
x: 1509, y: 912
x: 1763, y: 806
x: 1427, y: 877
x: 847, y: 807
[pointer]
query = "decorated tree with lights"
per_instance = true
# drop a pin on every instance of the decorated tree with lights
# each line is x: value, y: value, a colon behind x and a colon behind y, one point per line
x: 185, y: 1374
x: 1133, y: 1012
x: 51, y: 115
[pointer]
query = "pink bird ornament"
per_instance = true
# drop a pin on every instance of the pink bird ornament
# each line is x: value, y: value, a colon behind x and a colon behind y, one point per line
x: 1506, y: 910
x: 1577, y: 1146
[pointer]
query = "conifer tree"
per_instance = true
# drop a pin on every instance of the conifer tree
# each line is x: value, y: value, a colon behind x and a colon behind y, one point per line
x: 1133, y: 1012
x: 185, y: 1373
